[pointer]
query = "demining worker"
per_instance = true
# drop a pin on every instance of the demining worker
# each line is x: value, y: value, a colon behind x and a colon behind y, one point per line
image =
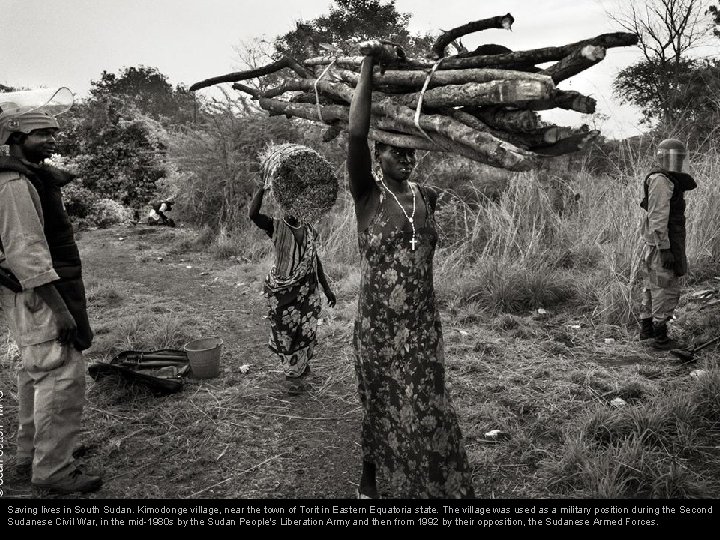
x: 663, y: 231
x: 158, y: 212
x: 43, y: 299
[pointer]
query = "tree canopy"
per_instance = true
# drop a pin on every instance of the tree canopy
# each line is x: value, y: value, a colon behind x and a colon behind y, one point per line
x: 148, y: 90
x: 671, y: 85
x: 348, y: 22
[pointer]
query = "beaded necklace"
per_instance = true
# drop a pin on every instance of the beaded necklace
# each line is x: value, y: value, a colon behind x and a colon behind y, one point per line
x: 410, y: 218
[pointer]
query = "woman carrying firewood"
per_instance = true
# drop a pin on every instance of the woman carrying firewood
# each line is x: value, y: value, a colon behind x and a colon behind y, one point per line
x: 410, y: 432
x: 291, y: 288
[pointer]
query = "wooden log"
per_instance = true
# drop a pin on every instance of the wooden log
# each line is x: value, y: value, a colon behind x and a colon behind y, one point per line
x: 402, y: 140
x: 437, y: 143
x: 495, y: 152
x: 518, y: 59
x: 579, y: 60
x: 254, y: 92
x: 448, y: 133
x: 329, y: 113
x: 485, y: 48
x: 538, y: 137
x: 459, y: 47
x: 518, y: 121
x: 416, y: 79
x: 389, y: 131
x: 570, y: 100
x: 478, y: 94
x: 502, y: 21
x: 568, y: 145
x: 466, y: 118
x: 470, y: 94
x: 283, y: 63
x: 310, y: 97
x: 545, y: 137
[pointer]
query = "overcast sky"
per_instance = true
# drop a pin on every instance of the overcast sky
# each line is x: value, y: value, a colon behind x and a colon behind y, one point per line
x: 70, y: 42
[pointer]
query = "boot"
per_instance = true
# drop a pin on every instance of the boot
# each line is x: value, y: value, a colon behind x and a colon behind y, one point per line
x: 662, y: 341
x: 646, y: 329
x: 23, y: 470
x: 77, y: 482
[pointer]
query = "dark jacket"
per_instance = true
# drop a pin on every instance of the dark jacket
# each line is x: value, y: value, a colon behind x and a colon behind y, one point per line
x: 58, y: 230
x: 681, y: 182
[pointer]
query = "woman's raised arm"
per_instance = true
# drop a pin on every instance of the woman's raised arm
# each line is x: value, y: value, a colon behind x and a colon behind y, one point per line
x: 359, y: 163
x: 261, y: 220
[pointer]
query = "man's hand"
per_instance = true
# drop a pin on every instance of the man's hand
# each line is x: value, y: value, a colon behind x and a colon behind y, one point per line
x: 67, y: 327
x: 668, y: 259
x: 330, y: 297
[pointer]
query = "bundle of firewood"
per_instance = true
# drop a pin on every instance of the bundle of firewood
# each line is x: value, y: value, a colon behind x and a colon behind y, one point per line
x: 481, y: 104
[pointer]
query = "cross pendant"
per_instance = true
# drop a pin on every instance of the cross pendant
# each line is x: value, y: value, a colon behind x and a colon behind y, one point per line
x: 412, y: 243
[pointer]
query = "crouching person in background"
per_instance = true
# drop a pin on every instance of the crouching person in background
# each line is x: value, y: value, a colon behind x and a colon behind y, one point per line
x: 43, y: 299
x: 663, y: 230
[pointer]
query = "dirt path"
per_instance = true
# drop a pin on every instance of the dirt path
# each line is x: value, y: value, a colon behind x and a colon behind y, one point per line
x: 241, y: 435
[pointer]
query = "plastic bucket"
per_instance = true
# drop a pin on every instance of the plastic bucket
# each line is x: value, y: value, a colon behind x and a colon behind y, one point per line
x: 204, y: 357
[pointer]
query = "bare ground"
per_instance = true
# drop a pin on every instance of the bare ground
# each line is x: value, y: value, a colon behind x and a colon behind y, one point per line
x: 240, y: 435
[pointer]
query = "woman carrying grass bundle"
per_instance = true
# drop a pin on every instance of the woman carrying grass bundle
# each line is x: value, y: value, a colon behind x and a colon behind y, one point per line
x: 291, y: 288
x: 410, y: 432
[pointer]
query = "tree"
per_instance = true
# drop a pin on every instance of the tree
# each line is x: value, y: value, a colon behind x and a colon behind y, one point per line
x: 714, y: 12
x: 349, y: 22
x: 668, y: 31
x: 148, y: 90
x: 116, y: 138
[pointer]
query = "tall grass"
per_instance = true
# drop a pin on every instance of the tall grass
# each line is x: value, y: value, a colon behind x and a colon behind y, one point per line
x: 643, y: 450
x: 537, y: 239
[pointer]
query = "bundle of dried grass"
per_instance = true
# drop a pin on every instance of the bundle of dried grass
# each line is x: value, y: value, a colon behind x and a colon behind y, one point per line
x: 302, y: 181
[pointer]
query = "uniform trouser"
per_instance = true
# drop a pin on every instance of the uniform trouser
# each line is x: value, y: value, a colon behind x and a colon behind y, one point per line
x: 51, y: 388
x: 661, y: 287
x: 50, y: 409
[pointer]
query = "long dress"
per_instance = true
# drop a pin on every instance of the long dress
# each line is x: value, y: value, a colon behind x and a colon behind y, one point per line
x: 294, y: 301
x: 410, y: 429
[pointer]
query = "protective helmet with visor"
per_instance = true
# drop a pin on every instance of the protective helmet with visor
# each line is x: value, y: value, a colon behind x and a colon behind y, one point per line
x: 672, y: 155
x: 28, y: 110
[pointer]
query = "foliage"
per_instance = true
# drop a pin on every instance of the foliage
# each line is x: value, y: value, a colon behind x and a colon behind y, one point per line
x: 349, y: 22
x: 106, y: 212
x: 668, y: 84
x: 149, y: 91
x: 78, y: 200
x: 118, y: 136
x: 215, y: 164
x: 684, y: 93
x: 117, y: 149
x: 714, y: 12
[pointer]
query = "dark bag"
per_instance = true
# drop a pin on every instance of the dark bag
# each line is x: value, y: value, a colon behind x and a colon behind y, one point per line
x: 161, y: 371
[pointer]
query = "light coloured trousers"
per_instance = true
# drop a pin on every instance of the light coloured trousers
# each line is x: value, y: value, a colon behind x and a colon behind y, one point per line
x: 50, y: 409
x: 51, y: 388
x: 661, y: 287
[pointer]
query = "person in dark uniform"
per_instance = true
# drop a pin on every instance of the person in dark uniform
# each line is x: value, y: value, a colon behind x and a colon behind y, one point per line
x: 664, y: 259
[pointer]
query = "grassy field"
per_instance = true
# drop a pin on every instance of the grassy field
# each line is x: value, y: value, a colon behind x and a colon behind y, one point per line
x: 537, y: 297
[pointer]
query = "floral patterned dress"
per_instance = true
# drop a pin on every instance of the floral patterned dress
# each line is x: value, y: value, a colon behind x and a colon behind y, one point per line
x: 410, y: 429
x: 294, y: 302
